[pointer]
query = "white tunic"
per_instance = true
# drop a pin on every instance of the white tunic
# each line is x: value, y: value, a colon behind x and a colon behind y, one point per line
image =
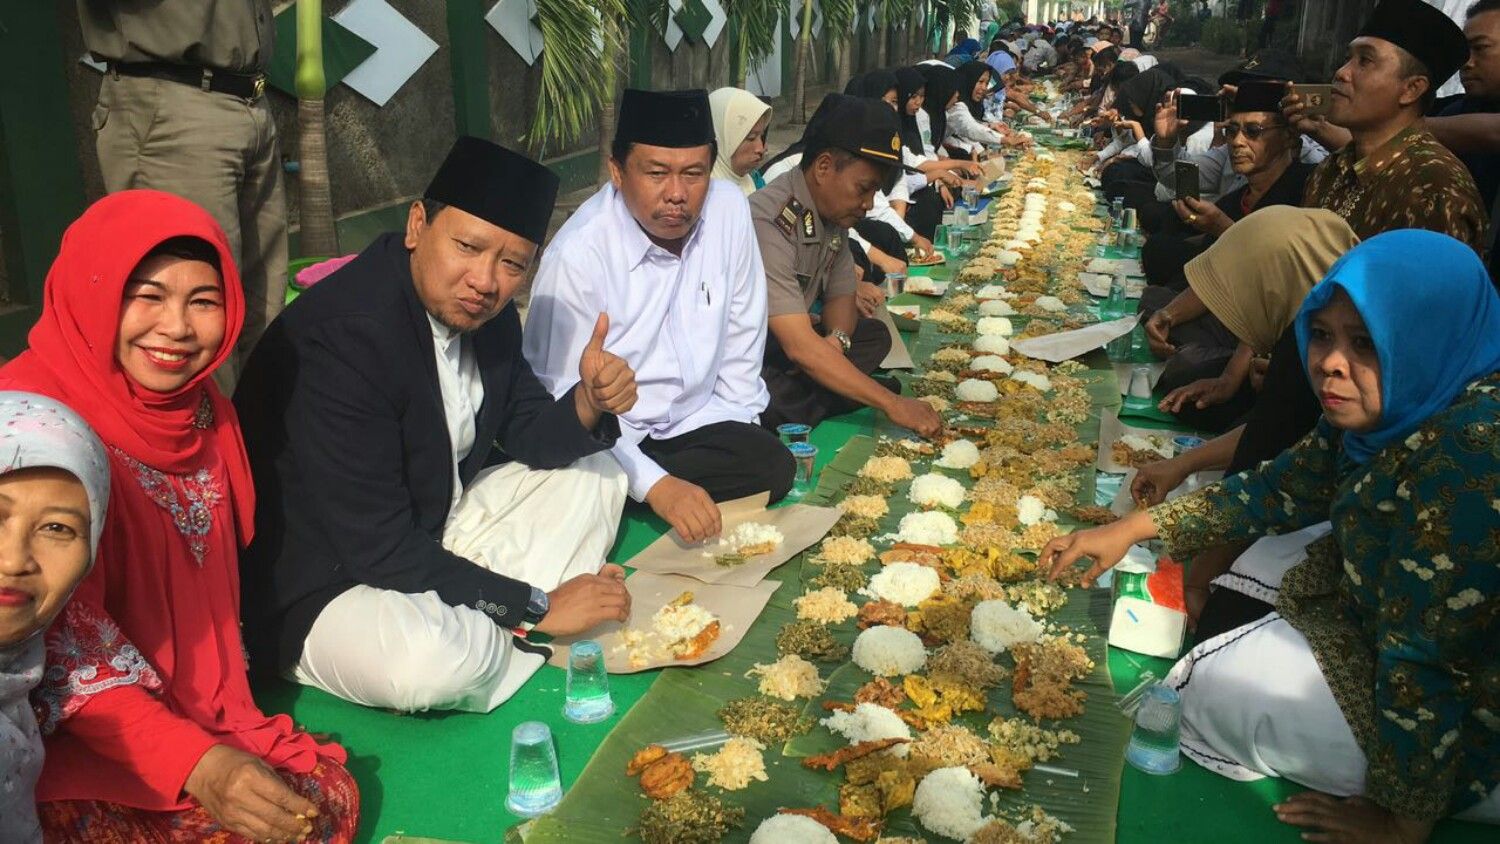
x: 693, y: 328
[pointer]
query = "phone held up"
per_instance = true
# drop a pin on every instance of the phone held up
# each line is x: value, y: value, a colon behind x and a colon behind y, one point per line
x: 1200, y: 107
x: 1187, y: 180
x: 1317, y: 98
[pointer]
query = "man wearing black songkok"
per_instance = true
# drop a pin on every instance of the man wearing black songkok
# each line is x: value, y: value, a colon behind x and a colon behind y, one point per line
x: 420, y: 494
x: 1392, y: 173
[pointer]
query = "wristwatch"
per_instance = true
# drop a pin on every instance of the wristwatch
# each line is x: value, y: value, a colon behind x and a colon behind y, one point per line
x: 537, y: 607
x: 842, y: 338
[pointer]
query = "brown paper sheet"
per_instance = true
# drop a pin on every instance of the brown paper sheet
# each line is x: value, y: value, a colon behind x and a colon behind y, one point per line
x: 898, y: 357
x: 737, y: 607
x: 1123, y: 505
x: 1111, y: 429
x: 1064, y: 345
x: 801, y: 525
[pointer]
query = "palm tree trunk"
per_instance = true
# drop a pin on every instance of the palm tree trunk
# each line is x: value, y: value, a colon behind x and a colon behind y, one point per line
x: 799, y: 74
x: 843, y: 69
x: 315, y: 194
x: 614, y: 57
x: 883, y: 48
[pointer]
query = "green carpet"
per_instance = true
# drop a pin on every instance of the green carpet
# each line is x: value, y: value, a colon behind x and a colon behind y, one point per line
x: 443, y: 775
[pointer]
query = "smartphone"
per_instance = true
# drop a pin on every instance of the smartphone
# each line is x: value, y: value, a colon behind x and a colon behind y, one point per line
x: 1263, y: 91
x: 1318, y: 98
x: 1187, y: 180
x: 1200, y: 107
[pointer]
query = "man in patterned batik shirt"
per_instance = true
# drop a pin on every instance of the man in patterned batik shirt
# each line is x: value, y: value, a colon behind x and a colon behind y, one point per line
x: 1392, y: 173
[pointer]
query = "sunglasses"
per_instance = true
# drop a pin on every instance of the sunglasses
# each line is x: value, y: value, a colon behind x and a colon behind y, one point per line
x: 1253, y: 131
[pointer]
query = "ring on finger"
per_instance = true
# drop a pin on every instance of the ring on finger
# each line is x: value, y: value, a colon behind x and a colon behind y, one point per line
x: 1192, y: 218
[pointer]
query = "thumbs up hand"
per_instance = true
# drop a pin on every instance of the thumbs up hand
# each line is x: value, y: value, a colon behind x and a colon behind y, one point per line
x: 606, y: 383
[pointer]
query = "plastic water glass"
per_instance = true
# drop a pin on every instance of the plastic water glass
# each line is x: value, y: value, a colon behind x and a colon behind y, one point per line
x: 1113, y: 306
x: 955, y: 240
x: 1155, y: 743
x: 806, y: 457
x: 971, y: 197
x: 793, y: 432
x: 895, y: 284
x: 535, y: 787
x: 587, y: 699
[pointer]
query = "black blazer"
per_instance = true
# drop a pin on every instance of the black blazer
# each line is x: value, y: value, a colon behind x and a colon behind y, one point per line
x: 343, y: 420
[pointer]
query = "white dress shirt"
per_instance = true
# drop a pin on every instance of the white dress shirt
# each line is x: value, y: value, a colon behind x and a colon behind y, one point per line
x: 462, y: 391
x: 693, y: 328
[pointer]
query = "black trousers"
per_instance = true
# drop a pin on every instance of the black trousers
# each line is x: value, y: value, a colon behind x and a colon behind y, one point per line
x: 925, y: 211
x: 882, y: 236
x: 728, y: 459
x: 1118, y: 178
x: 1204, y: 348
x: 795, y: 397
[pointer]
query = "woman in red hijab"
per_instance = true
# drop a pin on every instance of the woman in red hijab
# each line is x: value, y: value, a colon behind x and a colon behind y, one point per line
x: 153, y: 732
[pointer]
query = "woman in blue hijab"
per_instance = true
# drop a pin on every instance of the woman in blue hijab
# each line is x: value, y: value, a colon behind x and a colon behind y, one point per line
x: 1375, y: 680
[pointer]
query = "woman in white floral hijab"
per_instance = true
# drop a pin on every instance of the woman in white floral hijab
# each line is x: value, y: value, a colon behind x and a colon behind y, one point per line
x: 54, y: 487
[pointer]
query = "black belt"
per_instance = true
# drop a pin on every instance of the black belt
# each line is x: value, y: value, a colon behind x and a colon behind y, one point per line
x: 247, y: 86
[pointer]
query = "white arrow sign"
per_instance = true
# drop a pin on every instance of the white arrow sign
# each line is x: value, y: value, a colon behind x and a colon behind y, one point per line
x: 716, y: 22
x: 512, y: 19
x: 400, y: 48
x: 673, y: 35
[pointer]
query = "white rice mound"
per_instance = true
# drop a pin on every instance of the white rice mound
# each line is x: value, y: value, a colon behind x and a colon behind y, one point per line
x: 950, y: 803
x: 907, y: 584
x: 887, y: 651
x: 992, y: 291
x: 972, y: 389
x: 959, y: 454
x: 869, y: 722
x: 991, y: 345
x: 1033, y: 379
x: 931, y: 528
x: 992, y: 363
x: 934, y: 490
x: 1051, y: 304
x: 1030, y: 510
x: 791, y: 829
x: 995, y: 307
x: 997, y: 626
x: 995, y: 326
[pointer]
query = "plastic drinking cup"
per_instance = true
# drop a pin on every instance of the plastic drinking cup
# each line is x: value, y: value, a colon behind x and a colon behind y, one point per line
x: 895, y: 284
x: 587, y: 697
x: 955, y: 240
x: 1155, y: 743
x: 793, y: 432
x: 805, y: 455
x: 534, y: 784
x: 1140, y: 382
x: 971, y: 197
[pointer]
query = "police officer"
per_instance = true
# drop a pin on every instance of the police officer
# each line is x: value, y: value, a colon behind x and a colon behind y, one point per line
x: 819, y: 351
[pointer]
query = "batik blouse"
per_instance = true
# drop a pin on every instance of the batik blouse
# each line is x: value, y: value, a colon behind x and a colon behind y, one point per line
x: 1401, y: 602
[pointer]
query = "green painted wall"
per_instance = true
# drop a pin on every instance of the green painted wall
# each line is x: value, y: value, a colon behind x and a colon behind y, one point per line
x: 41, y: 190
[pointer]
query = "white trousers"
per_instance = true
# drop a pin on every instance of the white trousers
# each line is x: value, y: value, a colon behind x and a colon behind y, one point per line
x: 413, y: 652
x: 1254, y: 701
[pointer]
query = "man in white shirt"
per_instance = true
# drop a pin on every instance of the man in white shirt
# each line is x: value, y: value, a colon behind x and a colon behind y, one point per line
x: 670, y: 254
x: 411, y: 471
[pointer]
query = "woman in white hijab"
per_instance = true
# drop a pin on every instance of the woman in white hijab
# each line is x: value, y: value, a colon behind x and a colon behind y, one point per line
x: 54, y: 487
x: 741, y: 121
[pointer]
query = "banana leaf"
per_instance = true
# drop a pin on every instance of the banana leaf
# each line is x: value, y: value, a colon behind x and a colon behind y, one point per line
x: 604, y: 804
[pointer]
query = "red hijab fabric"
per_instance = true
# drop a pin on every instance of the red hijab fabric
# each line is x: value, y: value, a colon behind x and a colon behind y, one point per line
x: 146, y: 668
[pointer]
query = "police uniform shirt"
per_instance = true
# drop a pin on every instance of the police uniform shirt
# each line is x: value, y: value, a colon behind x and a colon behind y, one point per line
x: 805, y: 260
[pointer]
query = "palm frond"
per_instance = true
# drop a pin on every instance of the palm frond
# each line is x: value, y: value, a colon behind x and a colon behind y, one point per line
x: 572, y: 89
x: 838, y: 18
x: 759, y: 26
